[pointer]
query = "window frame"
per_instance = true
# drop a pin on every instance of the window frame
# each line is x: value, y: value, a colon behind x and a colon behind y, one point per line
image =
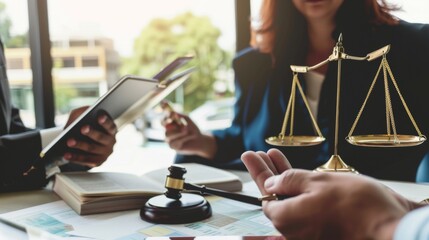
x: 41, y: 60
x: 41, y: 63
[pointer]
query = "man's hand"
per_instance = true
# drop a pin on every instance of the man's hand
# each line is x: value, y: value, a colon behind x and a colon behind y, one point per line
x: 99, y: 144
x: 325, y: 205
x: 263, y: 165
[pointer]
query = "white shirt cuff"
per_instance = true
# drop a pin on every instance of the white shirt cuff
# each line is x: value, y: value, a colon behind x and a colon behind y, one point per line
x: 414, y: 225
x: 46, y: 136
x: 49, y: 134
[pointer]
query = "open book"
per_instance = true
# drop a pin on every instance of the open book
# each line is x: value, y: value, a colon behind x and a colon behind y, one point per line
x: 97, y: 192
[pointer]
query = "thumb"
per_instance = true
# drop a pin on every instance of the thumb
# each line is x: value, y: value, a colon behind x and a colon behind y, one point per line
x: 291, y: 182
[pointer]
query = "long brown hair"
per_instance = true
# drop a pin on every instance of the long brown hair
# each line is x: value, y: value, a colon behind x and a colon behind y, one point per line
x: 279, y: 21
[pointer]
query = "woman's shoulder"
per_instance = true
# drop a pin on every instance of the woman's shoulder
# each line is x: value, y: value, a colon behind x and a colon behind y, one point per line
x: 411, y: 31
x: 251, y: 57
x: 404, y: 37
x: 250, y: 65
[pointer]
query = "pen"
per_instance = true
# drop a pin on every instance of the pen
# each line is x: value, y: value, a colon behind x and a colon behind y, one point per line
x: 235, y: 196
x: 270, y: 197
x: 175, y: 183
x: 172, y: 116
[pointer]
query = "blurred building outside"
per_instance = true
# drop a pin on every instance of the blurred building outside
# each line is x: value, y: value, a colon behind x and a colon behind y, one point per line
x: 89, y: 66
x: 85, y: 66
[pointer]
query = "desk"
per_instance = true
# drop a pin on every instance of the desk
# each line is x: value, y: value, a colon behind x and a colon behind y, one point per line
x: 24, y: 200
x: 19, y: 200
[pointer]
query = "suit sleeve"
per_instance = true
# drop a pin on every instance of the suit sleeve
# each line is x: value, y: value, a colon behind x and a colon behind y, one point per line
x: 18, y: 153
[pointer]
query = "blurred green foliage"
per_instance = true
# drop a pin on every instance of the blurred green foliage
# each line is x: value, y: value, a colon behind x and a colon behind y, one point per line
x: 63, y: 95
x: 165, y: 39
x: 16, y: 41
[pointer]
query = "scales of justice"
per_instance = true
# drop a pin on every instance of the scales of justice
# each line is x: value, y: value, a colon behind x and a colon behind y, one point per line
x: 390, y: 139
x: 175, y: 207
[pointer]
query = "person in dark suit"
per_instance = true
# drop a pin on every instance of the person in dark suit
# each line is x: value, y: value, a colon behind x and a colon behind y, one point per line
x: 20, y: 146
x: 304, y: 33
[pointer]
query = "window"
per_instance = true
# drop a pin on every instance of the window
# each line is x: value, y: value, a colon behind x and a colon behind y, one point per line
x: 15, y: 63
x: 68, y: 62
x: 412, y: 11
x: 14, y: 35
x: 142, y: 37
x: 89, y: 61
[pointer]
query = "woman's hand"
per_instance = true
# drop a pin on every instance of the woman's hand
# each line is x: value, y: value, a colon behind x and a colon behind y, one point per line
x: 187, y: 138
x: 97, y: 147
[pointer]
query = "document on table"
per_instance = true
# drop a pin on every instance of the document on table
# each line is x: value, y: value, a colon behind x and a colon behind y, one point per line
x: 413, y: 191
x: 56, y: 218
x: 229, y: 218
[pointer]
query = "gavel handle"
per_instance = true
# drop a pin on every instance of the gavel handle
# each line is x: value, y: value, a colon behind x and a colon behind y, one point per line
x: 235, y: 196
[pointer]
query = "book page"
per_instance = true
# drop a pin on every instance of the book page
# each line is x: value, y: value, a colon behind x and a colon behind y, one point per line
x: 202, y: 175
x: 107, y: 183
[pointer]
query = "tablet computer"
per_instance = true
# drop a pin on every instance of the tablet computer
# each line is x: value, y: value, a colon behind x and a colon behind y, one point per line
x: 128, y: 99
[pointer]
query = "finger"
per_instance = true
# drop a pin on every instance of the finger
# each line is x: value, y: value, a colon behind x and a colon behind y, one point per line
x: 172, y: 120
x: 89, y: 148
x: 279, y: 160
x: 84, y: 159
x: 187, y: 120
x: 98, y: 137
x: 108, y: 124
x: 291, y: 182
x: 178, y: 144
x: 257, y: 168
x: 178, y: 132
x: 171, y: 115
x: 171, y: 128
x: 75, y: 113
x: 175, y: 134
x: 178, y: 119
x: 289, y: 215
x: 268, y: 161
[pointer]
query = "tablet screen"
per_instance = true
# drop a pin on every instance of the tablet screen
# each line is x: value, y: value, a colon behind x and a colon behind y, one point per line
x: 128, y: 99
x: 115, y: 102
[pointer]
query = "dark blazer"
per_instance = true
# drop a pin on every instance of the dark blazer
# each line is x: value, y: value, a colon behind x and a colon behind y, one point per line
x: 19, y: 146
x: 262, y: 94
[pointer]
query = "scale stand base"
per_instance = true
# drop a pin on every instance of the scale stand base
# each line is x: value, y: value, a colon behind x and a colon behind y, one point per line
x: 189, y: 208
x: 336, y: 164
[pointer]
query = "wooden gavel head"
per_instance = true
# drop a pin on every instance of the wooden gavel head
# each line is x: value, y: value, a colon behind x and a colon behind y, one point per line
x: 175, y: 182
x: 174, y: 207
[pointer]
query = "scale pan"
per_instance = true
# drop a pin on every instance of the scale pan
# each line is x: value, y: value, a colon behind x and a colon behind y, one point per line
x: 386, y: 140
x: 295, y: 141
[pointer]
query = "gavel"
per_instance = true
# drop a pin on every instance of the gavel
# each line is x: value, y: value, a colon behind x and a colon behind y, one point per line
x: 179, y: 205
x: 175, y: 184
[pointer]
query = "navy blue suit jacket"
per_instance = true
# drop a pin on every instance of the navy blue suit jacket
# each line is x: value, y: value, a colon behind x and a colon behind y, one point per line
x: 262, y: 94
